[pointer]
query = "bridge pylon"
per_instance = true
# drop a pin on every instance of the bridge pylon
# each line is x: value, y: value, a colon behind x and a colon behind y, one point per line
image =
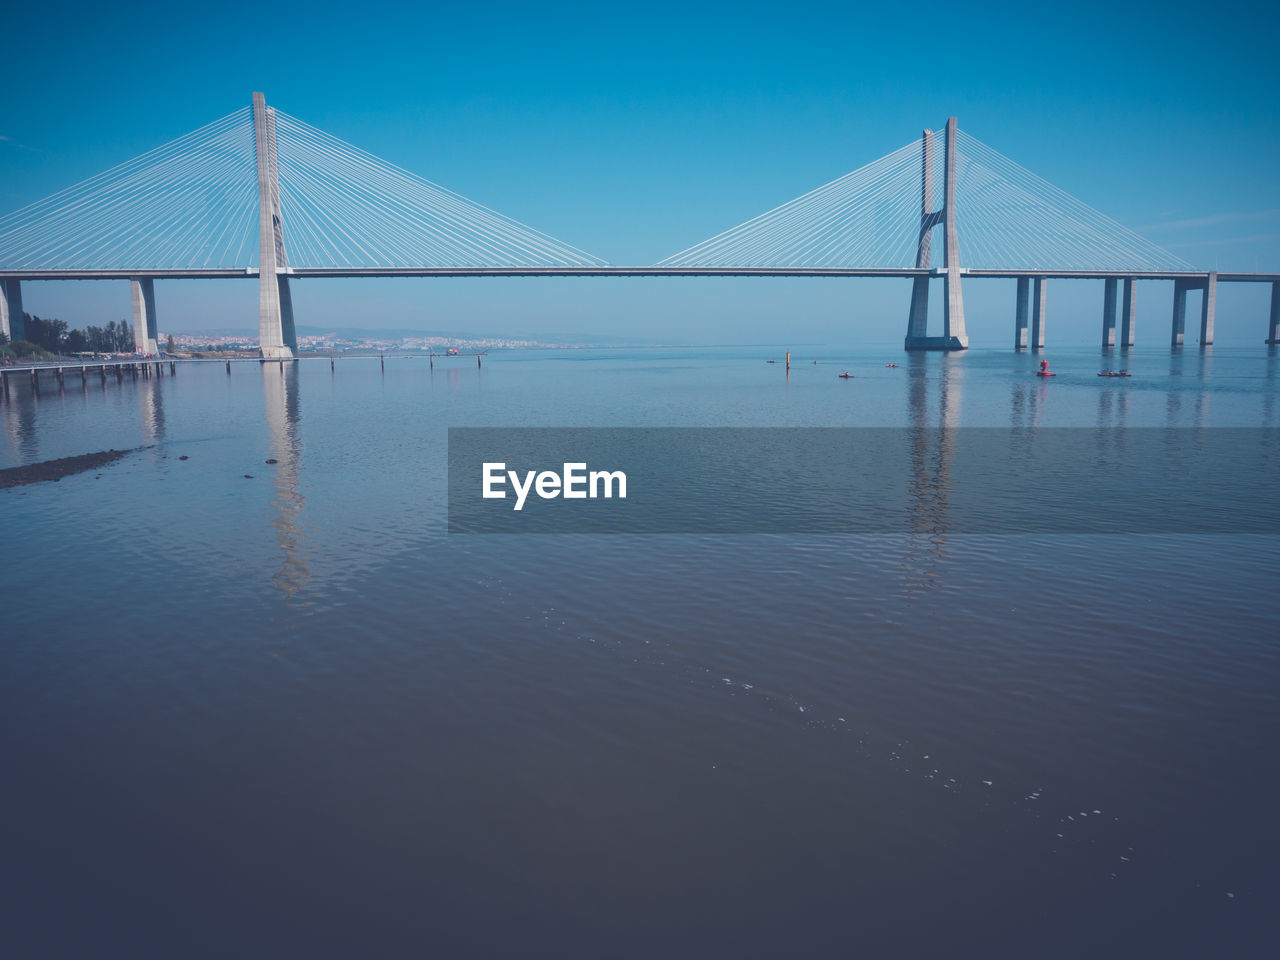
x: 277, y: 338
x: 953, y: 332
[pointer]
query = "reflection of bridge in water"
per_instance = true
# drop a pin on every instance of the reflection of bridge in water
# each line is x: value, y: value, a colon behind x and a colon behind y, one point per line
x: 22, y: 410
x: 931, y: 445
x: 262, y: 195
x: 282, y: 404
x: 935, y: 401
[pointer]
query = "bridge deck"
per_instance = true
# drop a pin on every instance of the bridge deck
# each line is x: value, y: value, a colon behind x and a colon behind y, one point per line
x: 652, y: 271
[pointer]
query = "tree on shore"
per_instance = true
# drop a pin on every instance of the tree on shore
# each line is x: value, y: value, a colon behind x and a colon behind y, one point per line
x: 54, y: 336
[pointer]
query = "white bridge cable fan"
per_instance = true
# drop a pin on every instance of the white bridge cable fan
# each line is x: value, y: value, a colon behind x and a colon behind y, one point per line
x: 870, y: 217
x: 344, y: 207
x: 189, y: 204
x: 1008, y: 217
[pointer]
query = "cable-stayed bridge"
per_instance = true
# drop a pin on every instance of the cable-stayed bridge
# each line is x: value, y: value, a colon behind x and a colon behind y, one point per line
x: 262, y: 194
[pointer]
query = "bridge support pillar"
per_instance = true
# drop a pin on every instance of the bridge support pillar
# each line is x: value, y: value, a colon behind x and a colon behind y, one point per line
x: 12, y: 322
x: 145, y: 332
x: 1109, y: 314
x: 1207, y: 306
x: 277, y: 338
x: 1023, y: 307
x: 1179, y: 326
x: 953, y: 331
x: 1039, y: 300
x: 288, y: 333
x: 1128, y: 312
x: 1273, y: 329
x: 918, y: 320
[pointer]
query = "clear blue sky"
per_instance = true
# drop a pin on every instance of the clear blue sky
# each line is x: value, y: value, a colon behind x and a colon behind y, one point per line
x: 633, y: 131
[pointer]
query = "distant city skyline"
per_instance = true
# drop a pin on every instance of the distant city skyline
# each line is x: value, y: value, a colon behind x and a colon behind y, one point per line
x: 633, y: 138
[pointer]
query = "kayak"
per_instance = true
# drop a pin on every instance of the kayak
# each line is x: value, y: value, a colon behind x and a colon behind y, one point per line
x: 1045, y: 373
x: 845, y: 376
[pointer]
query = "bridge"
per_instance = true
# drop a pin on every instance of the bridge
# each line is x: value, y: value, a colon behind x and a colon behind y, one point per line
x: 260, y: 194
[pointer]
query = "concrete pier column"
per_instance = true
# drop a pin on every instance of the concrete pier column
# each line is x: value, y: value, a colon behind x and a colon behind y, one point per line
x: 1179, y: 313
x: 1128, y: 312
x: 1273, y: 329
x: 918, y: 319
x: 277, y: 339
x: 12, y: 323
x: 1206, y: 309
x: 1023, y: 308
x: 288, y: 333
x: 954, y: 335
x: 1109, y: 313
x: 144, y: 315
x: 1039, y: 299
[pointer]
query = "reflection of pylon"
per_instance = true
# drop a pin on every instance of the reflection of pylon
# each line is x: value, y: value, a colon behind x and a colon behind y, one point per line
x: 953, y: 332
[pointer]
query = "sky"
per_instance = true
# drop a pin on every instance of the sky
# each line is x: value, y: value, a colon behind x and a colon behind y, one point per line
x: 633, y: 132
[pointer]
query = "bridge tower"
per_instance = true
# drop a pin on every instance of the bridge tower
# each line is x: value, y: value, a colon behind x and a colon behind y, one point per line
x: 277, y: 338
x: 953, y: 332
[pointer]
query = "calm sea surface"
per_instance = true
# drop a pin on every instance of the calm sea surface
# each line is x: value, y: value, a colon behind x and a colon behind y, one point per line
x: 289, y: 715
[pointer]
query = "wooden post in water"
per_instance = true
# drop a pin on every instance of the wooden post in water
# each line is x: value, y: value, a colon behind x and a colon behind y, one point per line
x: 228, y: 368
x: 477, y: 361
x: 383, y: 361
x: 788, y: 359
x: 35, y: 381
x: 332, y: 365
x: 173, y: 368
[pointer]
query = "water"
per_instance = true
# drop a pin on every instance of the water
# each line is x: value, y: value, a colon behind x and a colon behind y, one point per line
x: 291, y: 716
